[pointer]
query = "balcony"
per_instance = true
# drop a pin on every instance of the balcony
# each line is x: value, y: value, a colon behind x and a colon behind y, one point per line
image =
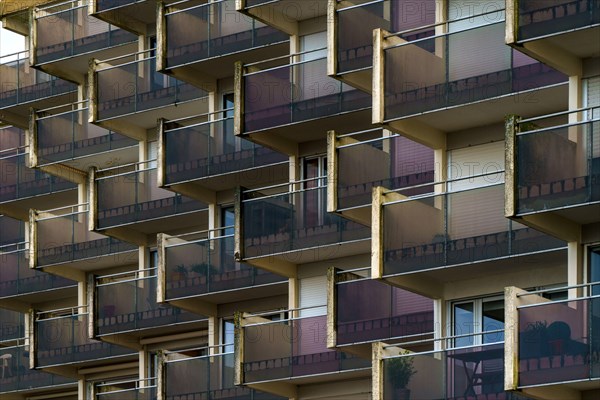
x: 22, y: 86
x: 63, y: 135
x: 351, y: 34
x: 201, y: 156
x: 363, y: 310
x: 470, y: 67
x: 564, y: 191
x: 278, y: 228
x: 560, y: 33
x: 64, y: 245
x: 12, y: 325
x: 127, y: 91
x: 194, y: 373
x: 16, y: 377
x: 470, y: 372
x: 555, y: 344
x: 201, y: 42
x: 22, y: 188
x: 21, y: 286
x: 360, y: 161
x: 125, y: 309
x: 62, y: 339
x: 284, y: 15
x: 128, y: 204
x: 291, y: 352
x: 64, y: 36
x: 290, y: 100
x: 459, y: 228
x: 198, y: 271
x: 142, y: 389
x: 137, y: 16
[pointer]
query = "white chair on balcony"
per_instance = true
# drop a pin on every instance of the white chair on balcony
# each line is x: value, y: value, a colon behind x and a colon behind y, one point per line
x: 5, y: 361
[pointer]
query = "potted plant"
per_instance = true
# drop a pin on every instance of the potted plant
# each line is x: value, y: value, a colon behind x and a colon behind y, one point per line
x: 534, y: 340
x: 179, y: 273
x: 200, y: 269
x: 399, y: 371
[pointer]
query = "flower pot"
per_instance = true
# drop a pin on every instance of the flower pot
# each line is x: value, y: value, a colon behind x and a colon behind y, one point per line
x: 401, y: 394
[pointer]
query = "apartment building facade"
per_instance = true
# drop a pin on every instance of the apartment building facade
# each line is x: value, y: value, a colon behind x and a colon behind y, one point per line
x: 300, y: 199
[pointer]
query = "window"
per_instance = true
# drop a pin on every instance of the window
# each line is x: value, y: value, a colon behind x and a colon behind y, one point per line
x: 594, y: 270
x: 227, y: 335
x: 157, y: 80
x: 228, y: 138
x: 473, y: 317
x: 231, y: 143
x: 314, y: 173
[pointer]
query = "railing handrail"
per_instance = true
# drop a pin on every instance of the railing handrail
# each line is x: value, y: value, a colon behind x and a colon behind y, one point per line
x: 350, y: 271
x: 134, y: 164
x: 168, y: 121
x: 60, y: 114
x: 62, y: 3
x: 73, y: 212
x: 199, y: 124
x: 17, y: 53
x: 450, y: 337
x: 561, y: 126
x: 22, y: 340
x: 357, y: 5
x: 556, y: 114
x: 126, y: 56
x: 447, y: 22
x: 377, y: 139
x: 124, y: 381
x: 433, y: 194
x: 74, y: 308
x: 17, y: 244
x: 200, y: 232
x: 61, y: 106
x: 422, y: 353
x: 24, y: 147
x: 167, y: 6
x: 289, y: 192
x: 196, y: 241
x: 227, y: 353
x: 557, y: 289
x: 361, y: 132
x: 300, y: 53
x: 295, y: 182
x: 124, y: 390
x: 179, y: 351
x: 125, y: 273
x: 289, y: 310
x: 581, y: 298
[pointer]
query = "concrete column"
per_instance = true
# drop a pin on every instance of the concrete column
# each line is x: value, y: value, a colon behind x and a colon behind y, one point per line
x: 575, y: 268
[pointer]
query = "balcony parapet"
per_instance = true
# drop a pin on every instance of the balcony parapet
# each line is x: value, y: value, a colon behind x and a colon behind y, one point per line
x: 16, y: 376
x: 282, y: 102
x: 470, y: 67
x: 194, y: 268
x: 290, y: 222
x: 290, y: 351
x: 362, y: 310
x: 200, y: 155
x: 63, y: 35
x: 542, y: 193
x: 62, y: 243
x: 360, y: 161
x: 125, y: 304
x: 127, y: 197
x: 62, y: 338
x: 554, y: 344
x: 62, y: 135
